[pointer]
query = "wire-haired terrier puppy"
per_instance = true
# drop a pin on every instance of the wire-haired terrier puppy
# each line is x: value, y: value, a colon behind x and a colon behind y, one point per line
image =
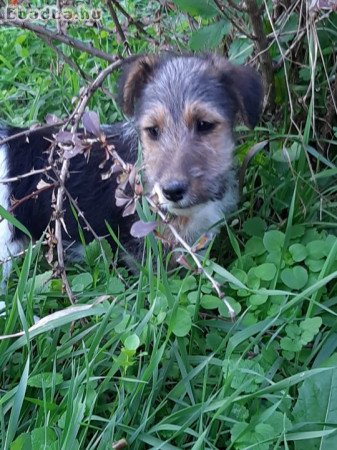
x: 182, y: 110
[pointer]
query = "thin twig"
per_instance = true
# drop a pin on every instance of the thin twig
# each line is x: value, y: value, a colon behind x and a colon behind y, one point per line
x: 71, y: 63
x: 194, y: 256
x: 119, y: 29
x: 63, y: 174
x: 26, y: 133
x: 135, y: 22
x: 224, y: 12
x: 33, y: 194
x: 262, y: 44
x: 25, y: 175
x: 64, y: 38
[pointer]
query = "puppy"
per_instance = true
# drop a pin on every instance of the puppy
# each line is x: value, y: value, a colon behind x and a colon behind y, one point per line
x: 182, y: 110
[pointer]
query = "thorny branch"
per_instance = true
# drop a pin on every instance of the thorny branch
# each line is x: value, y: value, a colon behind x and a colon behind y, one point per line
x: 63, y: 173
x: 194, y: 256
x: 132, y: 177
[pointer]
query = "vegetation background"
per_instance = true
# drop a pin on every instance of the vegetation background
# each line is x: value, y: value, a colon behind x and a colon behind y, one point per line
x: 153, y: 361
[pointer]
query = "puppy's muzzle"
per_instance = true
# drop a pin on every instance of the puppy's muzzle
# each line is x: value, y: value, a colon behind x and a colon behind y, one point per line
x: 175, y: 190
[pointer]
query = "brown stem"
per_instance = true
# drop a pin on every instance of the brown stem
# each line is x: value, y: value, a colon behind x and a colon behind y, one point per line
x: 331, y: 111
x: 73, y: 64
x: 195, y: 258
x: 118, y: 27
x: 262, y: 45
x: 25, y: 175
x: 136, y: 23
x: 33, y: 194
x: 64, y: 38
x: 63, y: 174
x: 26, y: 133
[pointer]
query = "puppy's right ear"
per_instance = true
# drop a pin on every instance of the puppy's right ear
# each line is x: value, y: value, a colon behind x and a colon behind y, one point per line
x: 136, y: 74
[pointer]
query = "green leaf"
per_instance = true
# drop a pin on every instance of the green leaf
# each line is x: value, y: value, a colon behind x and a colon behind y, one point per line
x: 246, y: 375
x: 273, y: 241
x: 223, y: 310
x: 285, y: 155
x: 295, y: 278
x: 254, y: 226
x: 23, y: 442
x: 255, y: 247
x: 316, y: 249
x: 115, y: 286
x: 310, y: 327
x: 81, y: 282
x: 189, y: 284
x: 11, y: 219
x: 315, y: 265
x: 45, y: 379
x: 316, y: 403
x: 182, y: 323
x: 132, y: 342
x: 240, y: 50
x: 266, y: 271
x: 44, y: 438
x: 298, y: 252
x: 290, y: 28
x: 290, y: 345
x: 258, y: 299
x: 210, y: 36
x: 210, y: 302
x: 203, y: 8
x: 17, y: 403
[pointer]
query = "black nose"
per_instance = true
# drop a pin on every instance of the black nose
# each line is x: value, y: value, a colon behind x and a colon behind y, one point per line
x: 175, y: 190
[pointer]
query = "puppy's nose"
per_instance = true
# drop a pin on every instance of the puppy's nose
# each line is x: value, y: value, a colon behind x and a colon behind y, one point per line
x: 175, y: 190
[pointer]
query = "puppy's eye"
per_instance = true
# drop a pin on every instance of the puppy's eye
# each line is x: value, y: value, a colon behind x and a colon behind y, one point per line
x: 202, y: 126
x: 153, y: 132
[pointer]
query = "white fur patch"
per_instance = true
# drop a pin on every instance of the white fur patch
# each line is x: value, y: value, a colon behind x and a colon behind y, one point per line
x: 203, y: 217
x: 8, y: 247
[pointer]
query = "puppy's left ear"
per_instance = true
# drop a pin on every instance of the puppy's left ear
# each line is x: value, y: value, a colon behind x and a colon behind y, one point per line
x: 244, y: 83
x: 136, y: 73
x: 249, y: 93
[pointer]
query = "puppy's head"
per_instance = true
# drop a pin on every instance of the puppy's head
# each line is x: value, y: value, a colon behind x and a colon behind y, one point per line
x: 184, y: 109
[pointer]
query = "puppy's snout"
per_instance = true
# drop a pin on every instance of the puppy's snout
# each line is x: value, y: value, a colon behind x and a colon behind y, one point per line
x: 175, y: 190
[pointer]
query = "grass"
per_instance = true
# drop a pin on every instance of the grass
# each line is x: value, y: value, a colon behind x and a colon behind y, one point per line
x: 153, y: 358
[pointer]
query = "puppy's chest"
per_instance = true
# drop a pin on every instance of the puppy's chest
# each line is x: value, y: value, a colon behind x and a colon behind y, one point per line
x: 191, y: 227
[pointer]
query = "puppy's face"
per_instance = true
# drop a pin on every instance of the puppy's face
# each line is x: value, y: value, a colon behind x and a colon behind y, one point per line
x: 184, y: 110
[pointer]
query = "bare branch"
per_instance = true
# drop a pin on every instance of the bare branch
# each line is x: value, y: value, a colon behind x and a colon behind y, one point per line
x: 26, y: 133
x: 262, y: 44
x: 194, y: 256
x: 25, y: 175
x: 33, y: 194
x: 64, y: 38
x: 136, y: 23
x: 62, y: 175
x: 118, y: 27
x: 73, y: 65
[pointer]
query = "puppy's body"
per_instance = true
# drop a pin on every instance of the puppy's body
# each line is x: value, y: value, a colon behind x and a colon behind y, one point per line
x: 94, y: 196
x: 182, y: 111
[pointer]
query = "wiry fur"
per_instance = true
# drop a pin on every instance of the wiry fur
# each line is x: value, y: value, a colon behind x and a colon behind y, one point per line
x: 192, y: 102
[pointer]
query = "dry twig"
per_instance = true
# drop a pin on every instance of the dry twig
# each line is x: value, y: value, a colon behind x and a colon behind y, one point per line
x: 262, y: 43
x: 63, y: 173
x: 119, y: 29
x: 194, y: 256
x: 64, y: 38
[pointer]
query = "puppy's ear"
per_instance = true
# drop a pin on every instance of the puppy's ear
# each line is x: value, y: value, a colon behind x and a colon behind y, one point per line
x: 249, y: 92
x: 136, y: 74
x: 245, y: 83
